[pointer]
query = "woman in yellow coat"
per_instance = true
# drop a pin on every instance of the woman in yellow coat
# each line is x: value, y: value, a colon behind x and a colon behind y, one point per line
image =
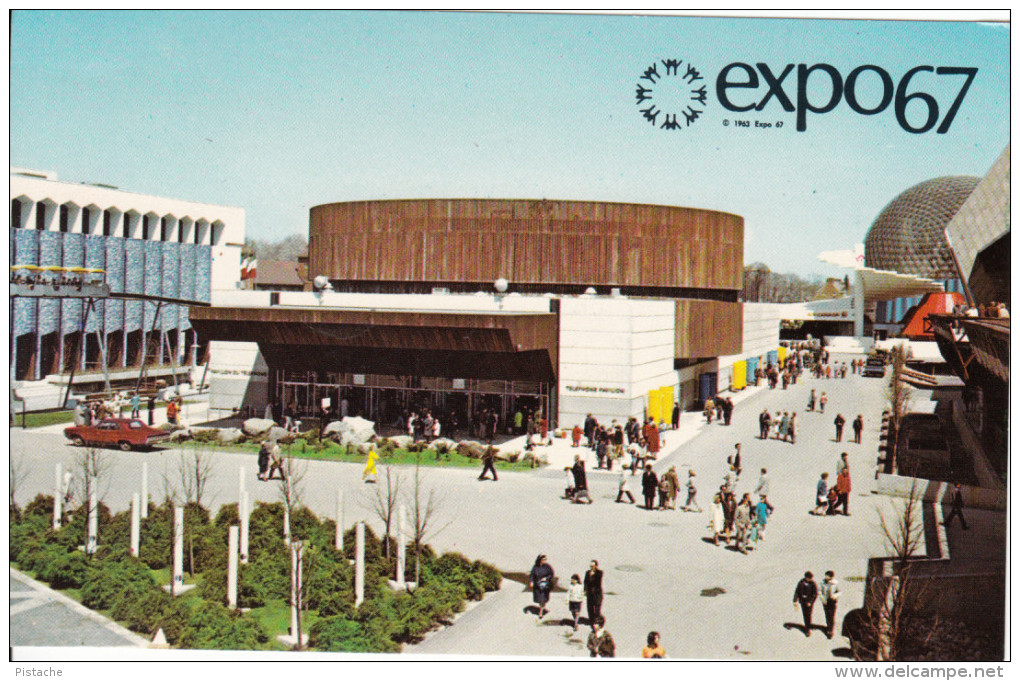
x: 373, y: 456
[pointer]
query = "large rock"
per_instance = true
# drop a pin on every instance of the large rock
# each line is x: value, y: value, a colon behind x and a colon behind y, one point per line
x: 443, y: 442
x: 180, y: 435
x: 402, y: 441
x: 470, y: 449
x: 352, y: 430
x: 278, y: 434
x: 229, y: 436
x: 257, y: 426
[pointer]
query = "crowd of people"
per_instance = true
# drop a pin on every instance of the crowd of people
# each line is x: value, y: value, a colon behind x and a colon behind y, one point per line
x: 92, y: 411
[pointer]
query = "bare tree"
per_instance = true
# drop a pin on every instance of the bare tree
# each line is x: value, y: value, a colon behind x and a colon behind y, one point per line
x: 93, y: 465
x: 897, y: 594
x: 424, y: 504
x: 291, y: 488
x: 384, y: 502
x: 195, y: 469
x: 19, y: 473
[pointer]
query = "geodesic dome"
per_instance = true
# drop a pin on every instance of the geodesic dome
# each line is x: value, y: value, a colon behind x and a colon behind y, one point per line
x: 908, y: 236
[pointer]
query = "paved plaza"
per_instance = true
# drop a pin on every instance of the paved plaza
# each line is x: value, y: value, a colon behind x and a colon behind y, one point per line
x: 661, y: 572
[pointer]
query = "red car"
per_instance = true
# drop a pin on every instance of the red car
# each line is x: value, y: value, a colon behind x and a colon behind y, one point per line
x: 125, y: 433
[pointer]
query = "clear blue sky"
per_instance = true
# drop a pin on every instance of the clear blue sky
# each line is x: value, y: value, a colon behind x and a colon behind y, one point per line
x: 277, y: 112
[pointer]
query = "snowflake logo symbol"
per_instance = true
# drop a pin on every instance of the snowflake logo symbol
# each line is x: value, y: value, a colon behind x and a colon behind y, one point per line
x: 678, y: 93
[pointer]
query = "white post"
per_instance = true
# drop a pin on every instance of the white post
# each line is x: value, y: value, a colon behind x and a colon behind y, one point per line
x: 240, y: 482
x: 145, y: 489
x: 58, y: 497
x: 242, y: 512
x: 178, y: 551
x: 135, y: 524
x: 232, y: 567
x: 293, y: 590
x: 286, y: 524
x: 93, y: 540
x: 359, y: 564
x: 339, y: 520
x: 401, y: 548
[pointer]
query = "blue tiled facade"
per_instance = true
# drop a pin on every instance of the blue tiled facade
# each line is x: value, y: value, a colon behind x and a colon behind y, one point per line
x: 168, y: 269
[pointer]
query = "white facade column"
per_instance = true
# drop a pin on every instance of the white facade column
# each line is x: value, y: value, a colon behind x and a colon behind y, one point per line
x: 178, y: 578
x: 135, y: 523
x: 243, y: 513
x: 401, y: 546
x: 359, y: 564
x: 232, y: 567
x: 339, y: 541
x: 58, y: 497
x: 857, y: 302
x: 145, y: 490
x: 286, y: 524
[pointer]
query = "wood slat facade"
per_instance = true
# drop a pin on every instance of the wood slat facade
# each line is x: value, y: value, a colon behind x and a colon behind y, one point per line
x: 527, y: 242
x: 708, y: 328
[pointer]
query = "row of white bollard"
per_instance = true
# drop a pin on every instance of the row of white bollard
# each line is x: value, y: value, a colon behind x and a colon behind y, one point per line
x: 237, y: 538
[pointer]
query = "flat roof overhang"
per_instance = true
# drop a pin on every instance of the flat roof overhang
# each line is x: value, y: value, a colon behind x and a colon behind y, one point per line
x: 508, y: 346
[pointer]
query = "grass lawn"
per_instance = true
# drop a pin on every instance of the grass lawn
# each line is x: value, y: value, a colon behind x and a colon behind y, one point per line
x: 329, y: 451
x: 37, y: 419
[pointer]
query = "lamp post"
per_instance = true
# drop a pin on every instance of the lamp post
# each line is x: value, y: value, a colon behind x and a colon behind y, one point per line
x: 501, y: 285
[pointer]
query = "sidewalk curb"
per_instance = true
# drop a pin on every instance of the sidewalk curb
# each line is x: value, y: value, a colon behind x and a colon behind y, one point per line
x: 74, y: 605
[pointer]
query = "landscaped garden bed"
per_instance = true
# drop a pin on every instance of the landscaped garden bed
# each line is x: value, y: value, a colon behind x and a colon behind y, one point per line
x: 130, y: 590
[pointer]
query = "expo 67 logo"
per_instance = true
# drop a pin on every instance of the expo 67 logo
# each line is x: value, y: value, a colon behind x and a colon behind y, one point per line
x: 677, y: 93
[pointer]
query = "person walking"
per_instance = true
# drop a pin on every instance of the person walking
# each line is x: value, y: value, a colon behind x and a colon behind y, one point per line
x: 649, y: 485
x: 842, y: 463
x: 624, y: 486
x: 805, y: 595
x: 764, y: 421
x: 600, y: 641
x: 717, y: 519
x: 692, y: 494
x: 842, y: 492
x: 673, y: 487
x: 675, y: 421
x: 760, y: 516
x: 276, y: 461
x: 590, y: 424
x: 651, y: 433
x: 729, y: 503
x: 957, y: 507
x: 839, y: 421
x: 593, y: 591
x: 575, y: 597
x: 822, y: 401
x: 488, y: 464
x: 830, y: 599
x: 263, y: 461
x: 762, y: 489
x: 821, y: 495
x: 735, y: 460
x: 858, y: 426
x: 580, y: 481
x: 811, y: 401
x: 541, y: 580
x: 151, y: 404
x: 653, y: 650
x: 136, y: 404
x: 370, y: 469
x: 742, y: 523
x: 792, y: 428
x: 709, y: 409
x: 727, y: 410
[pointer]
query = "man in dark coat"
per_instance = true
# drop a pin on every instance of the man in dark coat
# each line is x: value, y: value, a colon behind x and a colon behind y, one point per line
x: 580, y: 481
x: 839, y: 422
x: 858, y: 425
x: 957, y: 509
x: 727, y: 410
x: 649, y: 486
x: 763, y: 424
x: 589, y: 429
x: 805, y: 595
x: 593, y: 591
x: 676, y: 415
x: 488, y: 461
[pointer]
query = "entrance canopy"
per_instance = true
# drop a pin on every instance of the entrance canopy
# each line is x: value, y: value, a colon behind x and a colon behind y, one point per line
x: 507, y: 346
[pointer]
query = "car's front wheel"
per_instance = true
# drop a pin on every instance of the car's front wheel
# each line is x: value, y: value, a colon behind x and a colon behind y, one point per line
x: 125, y: 446
x: 78, y: 441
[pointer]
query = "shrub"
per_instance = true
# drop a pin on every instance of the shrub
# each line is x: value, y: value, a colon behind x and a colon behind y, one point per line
x: 266, y: 578
x: 146, y: 611
x: 111, y: 576
x: 42, y: 505
x: 30, y: 527
x: 213, y: 585
x: 213, y: 626
x: 491, y: 577
x: 205, y: 435
x: 340, y: 633
x: 228, y: 515
x: 66, y: 570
